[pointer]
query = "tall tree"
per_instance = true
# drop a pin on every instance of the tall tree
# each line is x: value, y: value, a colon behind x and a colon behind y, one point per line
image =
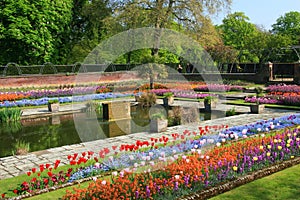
x: 238, y: 32
x: 187, y: 15
x: 289, y: 24
x: 88, y: 27
x: 32, y: 32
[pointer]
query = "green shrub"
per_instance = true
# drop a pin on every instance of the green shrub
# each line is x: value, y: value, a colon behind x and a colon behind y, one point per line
x: 10, y: 114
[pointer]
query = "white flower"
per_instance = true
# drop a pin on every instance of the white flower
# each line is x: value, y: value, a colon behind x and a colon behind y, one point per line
x: 103, y: 182
x: 244, y: 131
x: 143, y: 163
x: 114, y: 173
x: 131, y: 157
x: 199, y: 151
x: 148, y: 158
x: 223, y: 140
x: 193, y: 150
x: 207, y: 157
x: 149, y: 170
x: 176, y: 157
x: 97, y: 165
x: 210, y: 141
x: 202, y: 156
x: 258, y: 129
x: 272, y: 126
x: 262, y: 135
x: 267, y: 129
x: 162, y: 154
x: 174, y: 151
x: 151, y: 163
x: 195, y: 146
x: 95, y: 179
x: 150, y: 154
x: 135, y: 165
x: 111, y: 158
x: 187, y: 160
x: 121, y: 173
x: 183, y: 157
x: 144, y: 158
x: 176, y: 177
x: 218, y: 144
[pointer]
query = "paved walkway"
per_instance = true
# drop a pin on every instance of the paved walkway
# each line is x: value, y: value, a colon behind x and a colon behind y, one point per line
x: 15, y: 165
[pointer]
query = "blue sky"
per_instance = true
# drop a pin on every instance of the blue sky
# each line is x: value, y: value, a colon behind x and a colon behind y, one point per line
x: 262, y: 12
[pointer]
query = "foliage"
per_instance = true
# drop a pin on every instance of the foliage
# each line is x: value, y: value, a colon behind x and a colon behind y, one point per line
x: 21, y: 147
x: 157, y: 116
x: 10, y: 114
x: 147, y: 99
x: 230, y: 112
x: 238, y: 33
x: 210, y: 99
x: 288, y: 25
x: 168, y: 94
x: 51, y: 101
x: 33, y: 33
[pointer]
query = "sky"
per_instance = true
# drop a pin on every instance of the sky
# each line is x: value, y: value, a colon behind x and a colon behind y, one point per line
x: 261, y: 12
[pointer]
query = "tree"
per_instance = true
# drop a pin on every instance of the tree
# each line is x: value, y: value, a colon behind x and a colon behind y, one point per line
x: 239, y: 33
x: 87, y: 27
x: 32, y: 32
x: 188, y: 16
x: 289, y: 24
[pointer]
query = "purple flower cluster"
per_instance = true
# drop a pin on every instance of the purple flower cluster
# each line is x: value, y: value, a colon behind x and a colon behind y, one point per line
x: 218, y: 88
x: 181, y: 93
x: 263, y: 100
x: 283, y: 88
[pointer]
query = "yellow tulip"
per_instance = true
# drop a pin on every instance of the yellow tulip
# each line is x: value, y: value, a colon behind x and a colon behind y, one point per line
x: 234, y: 168
x: 292, y: 157
x: 255, y: 158
x: 261, y: 147
x: 288, y: 145
x: 269, y: 146
x: 279, y: 147
x: 268, y: 154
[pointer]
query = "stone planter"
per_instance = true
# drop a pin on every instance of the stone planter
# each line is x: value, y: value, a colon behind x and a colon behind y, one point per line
x: 53, y: 107
x: 257, y: 108
x: 158, y: 125
x: 168, y: 101
x: 208, y: 106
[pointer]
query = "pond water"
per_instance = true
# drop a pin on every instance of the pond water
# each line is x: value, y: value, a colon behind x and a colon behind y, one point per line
x: 59, y: 130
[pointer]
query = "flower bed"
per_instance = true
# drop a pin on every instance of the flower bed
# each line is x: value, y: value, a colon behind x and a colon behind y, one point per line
x: 167, y: 152
x: 68, y: 99
x: 279, y: 94
x: 218, y: 88
x: 283, y: 88
x: 196, y: 172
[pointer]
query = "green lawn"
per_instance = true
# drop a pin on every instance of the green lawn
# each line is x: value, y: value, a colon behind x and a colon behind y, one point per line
x: 281, y: 185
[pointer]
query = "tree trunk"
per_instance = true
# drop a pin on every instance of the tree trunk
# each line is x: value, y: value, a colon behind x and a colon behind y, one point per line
x: 151, y: 82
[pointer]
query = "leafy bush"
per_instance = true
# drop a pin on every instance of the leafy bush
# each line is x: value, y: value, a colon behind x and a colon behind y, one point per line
x: 10, y: 114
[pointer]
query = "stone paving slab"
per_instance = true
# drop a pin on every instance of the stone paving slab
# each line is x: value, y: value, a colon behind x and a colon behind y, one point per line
x: 15, y: 165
